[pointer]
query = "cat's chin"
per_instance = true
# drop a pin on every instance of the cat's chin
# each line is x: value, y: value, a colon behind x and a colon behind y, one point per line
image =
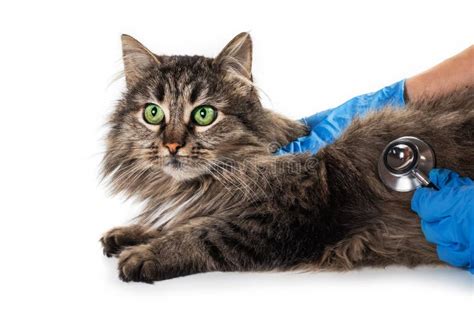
x: 181, y: 173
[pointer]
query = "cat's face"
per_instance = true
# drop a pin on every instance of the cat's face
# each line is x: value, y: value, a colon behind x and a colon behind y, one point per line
x: 187, y: 116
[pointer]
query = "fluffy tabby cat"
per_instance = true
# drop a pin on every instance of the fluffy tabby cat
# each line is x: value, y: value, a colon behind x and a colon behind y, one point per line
x: 191, y: 139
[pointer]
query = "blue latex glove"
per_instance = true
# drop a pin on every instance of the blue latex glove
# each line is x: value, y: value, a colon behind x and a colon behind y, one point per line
x: 327, y: 126
x: 447, y: 216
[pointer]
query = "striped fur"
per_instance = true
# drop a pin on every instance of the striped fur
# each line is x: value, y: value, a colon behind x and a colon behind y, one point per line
x: 230, y: 205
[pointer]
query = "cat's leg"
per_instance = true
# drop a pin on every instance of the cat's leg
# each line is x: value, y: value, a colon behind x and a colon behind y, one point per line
x: 115, y: 240
x: 253, y: 242
x: 184, y: 250
x: 272, y: 232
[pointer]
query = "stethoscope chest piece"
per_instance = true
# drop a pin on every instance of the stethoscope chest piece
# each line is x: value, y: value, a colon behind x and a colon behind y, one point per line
x: 404, y: 164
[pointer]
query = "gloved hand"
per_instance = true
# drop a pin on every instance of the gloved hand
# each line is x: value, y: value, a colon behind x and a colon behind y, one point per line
x: 447, y: 216
x: 327, y: 126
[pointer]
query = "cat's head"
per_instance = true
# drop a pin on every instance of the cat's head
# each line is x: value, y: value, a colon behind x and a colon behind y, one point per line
x: 182, y: 115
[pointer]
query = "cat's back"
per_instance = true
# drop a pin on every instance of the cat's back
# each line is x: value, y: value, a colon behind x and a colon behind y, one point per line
x: 382, y: 223
x: 446, y: 123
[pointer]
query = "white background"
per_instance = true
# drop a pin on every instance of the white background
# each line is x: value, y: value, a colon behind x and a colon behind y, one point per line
x: 57, y: 62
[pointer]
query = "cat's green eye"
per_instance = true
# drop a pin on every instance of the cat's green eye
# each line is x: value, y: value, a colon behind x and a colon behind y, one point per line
x: 204, y: 115
x: 153, y: 114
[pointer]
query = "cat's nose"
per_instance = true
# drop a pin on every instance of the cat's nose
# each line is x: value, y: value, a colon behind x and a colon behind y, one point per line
x: 173, y: 147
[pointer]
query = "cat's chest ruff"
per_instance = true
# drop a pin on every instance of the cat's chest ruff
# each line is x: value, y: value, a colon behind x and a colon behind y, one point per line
x: 206, y: 200
x: 171, y: 210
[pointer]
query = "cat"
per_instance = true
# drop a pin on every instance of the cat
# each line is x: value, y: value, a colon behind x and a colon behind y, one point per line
x: 191, y: 139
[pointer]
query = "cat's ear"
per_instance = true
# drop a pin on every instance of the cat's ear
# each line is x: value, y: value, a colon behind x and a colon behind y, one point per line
x: 136, y: 58
x: 236, y: 57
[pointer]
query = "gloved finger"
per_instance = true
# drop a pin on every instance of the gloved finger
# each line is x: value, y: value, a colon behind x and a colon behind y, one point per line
x: 433, y: 205
x: 315, y: 119
x: 310, y: 143
x: 455, y: 257
x: 292, y: 147
x: 444, y: 177
x: 313, y: 142
x: 440, y: 177
x: 442, y: 232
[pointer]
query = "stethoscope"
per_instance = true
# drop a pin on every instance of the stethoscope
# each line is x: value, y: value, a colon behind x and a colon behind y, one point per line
x: 404, y: 164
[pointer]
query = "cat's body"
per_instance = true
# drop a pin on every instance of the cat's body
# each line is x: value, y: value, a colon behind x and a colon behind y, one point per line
x: 249, y: 210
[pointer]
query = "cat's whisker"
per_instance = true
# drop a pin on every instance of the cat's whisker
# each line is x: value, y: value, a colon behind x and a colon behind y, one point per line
x: 216, y: 177
x: 225, y: 177
x: 237, y: 185
x: 121, y: 180
x: 241, y: 171
x: 134, y: 178
x: 237, y: 176
x: 259, y: 172
x: 234, y: 178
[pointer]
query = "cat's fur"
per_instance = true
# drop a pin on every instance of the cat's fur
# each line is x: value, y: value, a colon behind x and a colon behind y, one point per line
x: 228, y: 204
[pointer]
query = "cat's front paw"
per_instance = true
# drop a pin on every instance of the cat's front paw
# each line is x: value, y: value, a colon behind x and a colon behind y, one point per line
x: 139, y: 264
x: 115, y: 240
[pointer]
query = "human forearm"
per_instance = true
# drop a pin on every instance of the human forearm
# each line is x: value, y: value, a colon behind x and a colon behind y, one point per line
x: 449, y: 75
